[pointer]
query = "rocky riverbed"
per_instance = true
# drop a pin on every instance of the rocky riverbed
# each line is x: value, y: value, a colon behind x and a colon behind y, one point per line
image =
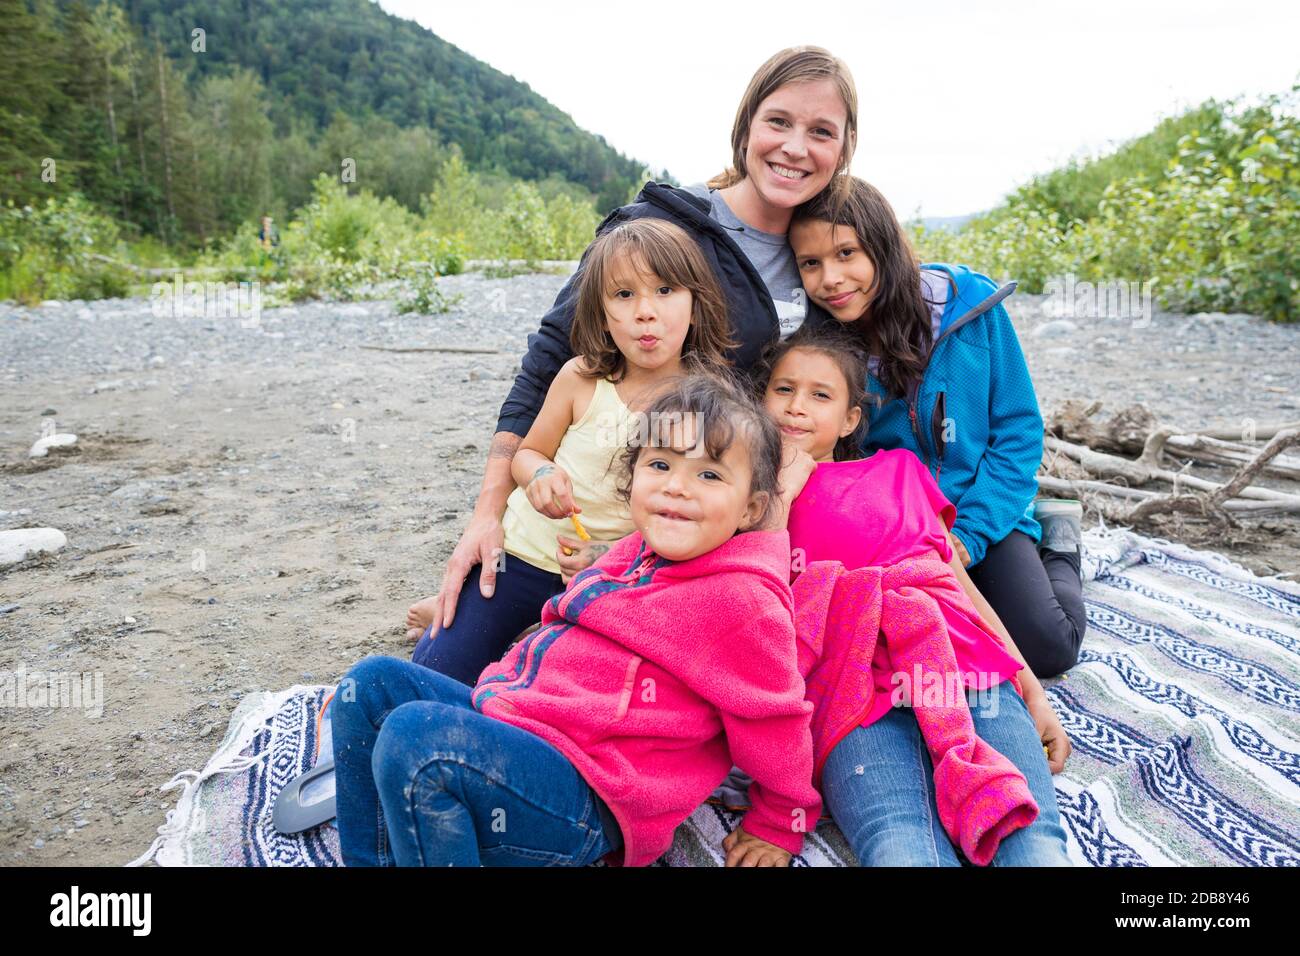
x: 252, y: 506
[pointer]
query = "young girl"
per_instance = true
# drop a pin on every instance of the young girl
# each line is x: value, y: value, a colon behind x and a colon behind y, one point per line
x: 662, y: 663
x: 949, y: 383
x: 649, y: 309
x: 886, y: 512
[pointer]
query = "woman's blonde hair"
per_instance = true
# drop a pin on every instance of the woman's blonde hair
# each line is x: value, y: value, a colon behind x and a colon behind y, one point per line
x: 668, y: 251
x: 796, y: 64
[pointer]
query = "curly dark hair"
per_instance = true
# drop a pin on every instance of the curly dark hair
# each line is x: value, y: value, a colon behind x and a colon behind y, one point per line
x: 725, y: 412
x: 843, y: 347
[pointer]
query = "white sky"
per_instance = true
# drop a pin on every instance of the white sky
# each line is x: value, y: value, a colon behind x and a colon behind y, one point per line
x: 958, y: 102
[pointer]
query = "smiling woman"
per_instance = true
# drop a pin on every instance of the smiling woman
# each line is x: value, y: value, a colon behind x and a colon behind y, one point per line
x: 795, y: 128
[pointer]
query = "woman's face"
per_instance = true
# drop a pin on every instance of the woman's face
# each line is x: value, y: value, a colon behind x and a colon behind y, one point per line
x: 836, y: 272
x: 795, y: 141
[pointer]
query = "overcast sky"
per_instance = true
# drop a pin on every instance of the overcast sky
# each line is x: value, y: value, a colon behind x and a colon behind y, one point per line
x: 959, y: 102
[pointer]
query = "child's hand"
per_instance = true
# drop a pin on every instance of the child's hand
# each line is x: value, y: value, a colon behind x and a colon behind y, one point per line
x: 797, y: 467
x: 550, y: 492
x: 960, y: 550
x: 745, y: 850
x: 573, y: 555
x: 1050, y: 732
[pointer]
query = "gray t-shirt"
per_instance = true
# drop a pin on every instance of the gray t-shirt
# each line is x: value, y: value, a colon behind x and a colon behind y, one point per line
x: 770, y: 254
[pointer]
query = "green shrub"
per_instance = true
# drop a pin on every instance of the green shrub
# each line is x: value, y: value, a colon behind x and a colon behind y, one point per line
x: 426, y: 297
x: 62, y: 248
x: 1216, y: 226
x: 446, y: 255
x: 338, y: 245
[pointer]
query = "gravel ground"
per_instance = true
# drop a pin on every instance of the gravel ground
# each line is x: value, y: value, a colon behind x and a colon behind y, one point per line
x: 248, y: 508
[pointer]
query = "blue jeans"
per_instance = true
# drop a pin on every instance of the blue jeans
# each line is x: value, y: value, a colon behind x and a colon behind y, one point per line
x: 484, y: 628
x: 878, y: 784
x: 423, y: 779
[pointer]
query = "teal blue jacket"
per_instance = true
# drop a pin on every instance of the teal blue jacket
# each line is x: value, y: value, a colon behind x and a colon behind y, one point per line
x: 974, y: 419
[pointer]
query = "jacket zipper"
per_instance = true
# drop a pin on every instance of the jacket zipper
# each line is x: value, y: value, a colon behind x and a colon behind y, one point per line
x: 980, y: 309
x: 937, y: 421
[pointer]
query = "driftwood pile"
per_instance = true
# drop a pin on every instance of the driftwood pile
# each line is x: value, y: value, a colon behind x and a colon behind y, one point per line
x: 1091, y: 460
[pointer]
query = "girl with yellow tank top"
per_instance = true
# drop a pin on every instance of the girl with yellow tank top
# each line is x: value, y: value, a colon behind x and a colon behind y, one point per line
x: 649, y: 309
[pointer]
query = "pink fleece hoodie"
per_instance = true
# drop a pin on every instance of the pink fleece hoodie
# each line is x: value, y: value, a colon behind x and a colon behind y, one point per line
x: 841, y: 615
x: 653, y: 677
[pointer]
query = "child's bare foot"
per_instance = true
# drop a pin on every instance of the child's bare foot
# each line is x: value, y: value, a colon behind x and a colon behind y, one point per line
x: 419, y: 616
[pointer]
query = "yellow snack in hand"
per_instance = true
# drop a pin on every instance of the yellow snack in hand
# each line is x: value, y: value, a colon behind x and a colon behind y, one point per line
x: 582, y: 533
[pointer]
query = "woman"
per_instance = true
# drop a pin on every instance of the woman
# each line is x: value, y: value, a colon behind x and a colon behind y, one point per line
x: 795, y: 129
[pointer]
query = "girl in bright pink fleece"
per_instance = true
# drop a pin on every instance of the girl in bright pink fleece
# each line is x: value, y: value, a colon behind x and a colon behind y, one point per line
x: 670, y: 658
x: 911, y: 774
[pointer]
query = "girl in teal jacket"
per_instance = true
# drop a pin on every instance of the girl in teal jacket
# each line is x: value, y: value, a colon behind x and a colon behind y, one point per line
x: 949, y: 382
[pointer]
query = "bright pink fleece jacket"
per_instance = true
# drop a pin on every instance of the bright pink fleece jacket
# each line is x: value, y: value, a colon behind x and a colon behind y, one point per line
x: 981, y: 795
x: 653, y: 677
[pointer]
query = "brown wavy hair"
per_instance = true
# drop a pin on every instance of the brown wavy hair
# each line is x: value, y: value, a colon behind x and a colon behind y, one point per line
x: 795, y: 64
x: 896, y: 326
x: 844, y: 348
x: 667, y: 250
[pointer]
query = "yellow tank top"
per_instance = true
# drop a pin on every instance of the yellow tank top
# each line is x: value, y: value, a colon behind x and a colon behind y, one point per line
x: 587, y: 453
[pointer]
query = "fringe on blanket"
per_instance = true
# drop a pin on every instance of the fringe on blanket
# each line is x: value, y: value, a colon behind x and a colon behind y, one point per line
x: 1115, y: 548
x: 240, y: 734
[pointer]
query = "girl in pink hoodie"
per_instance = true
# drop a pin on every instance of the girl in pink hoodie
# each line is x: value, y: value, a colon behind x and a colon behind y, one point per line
x: 670, y: 658
x: 899, y: 635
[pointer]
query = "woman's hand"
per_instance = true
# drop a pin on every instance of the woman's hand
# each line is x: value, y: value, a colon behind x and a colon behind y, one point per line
x: 482, y: 542
x: 550, y: 492
x: 574, y: 554
x: 745, y: 850
x: 1050, y: 731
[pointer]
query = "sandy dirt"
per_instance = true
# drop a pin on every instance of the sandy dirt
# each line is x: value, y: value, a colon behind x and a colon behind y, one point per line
x: 249, y: 509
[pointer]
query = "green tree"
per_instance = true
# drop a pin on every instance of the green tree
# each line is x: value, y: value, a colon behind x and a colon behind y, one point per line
x: 234, y: 141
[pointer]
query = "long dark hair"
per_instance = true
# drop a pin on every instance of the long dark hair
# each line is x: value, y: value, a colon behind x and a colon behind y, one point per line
x: 844, y: 348
x: 896, y: 327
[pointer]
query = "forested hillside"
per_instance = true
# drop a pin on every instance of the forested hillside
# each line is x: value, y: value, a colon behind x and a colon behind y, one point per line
x: 185, y: 135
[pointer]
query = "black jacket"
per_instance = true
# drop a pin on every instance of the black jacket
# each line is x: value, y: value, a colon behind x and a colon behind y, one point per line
x: 749, y: 304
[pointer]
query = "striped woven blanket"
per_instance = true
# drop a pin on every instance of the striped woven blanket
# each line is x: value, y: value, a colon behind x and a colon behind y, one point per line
x: 1184, y: 712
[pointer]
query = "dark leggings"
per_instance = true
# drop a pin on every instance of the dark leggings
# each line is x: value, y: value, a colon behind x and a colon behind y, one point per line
x: 1039, y: 598
x: 485, y: 627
